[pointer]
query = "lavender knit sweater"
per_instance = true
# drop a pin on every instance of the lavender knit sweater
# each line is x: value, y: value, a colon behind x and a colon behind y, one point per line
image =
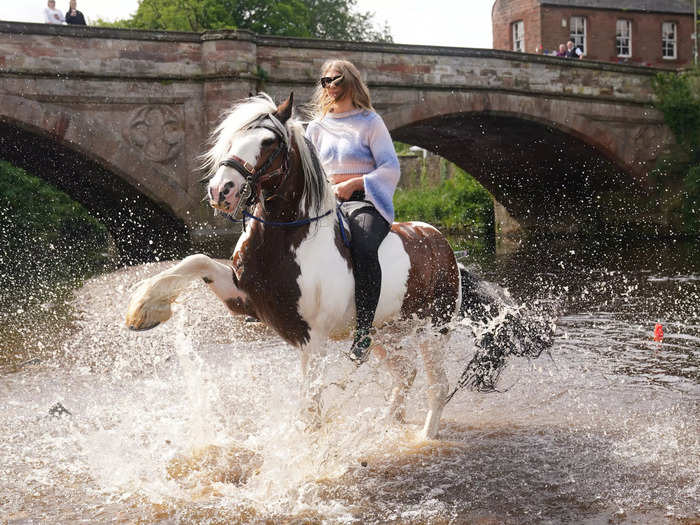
x: 358, y: 142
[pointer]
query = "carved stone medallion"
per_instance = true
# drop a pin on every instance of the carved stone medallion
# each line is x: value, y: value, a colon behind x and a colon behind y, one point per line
x: 157, y: 131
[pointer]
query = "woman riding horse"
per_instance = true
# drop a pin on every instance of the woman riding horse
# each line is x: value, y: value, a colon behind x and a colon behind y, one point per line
x: 279, y: 272
x: 357, y: 154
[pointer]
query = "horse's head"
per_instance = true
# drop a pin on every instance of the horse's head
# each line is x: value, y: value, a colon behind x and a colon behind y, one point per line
x: 250, y: 153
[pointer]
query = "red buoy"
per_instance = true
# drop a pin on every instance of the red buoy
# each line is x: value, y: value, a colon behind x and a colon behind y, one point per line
x: 658, y: 333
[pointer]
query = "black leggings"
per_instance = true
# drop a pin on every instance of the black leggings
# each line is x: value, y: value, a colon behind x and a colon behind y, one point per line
x: 367, y: 229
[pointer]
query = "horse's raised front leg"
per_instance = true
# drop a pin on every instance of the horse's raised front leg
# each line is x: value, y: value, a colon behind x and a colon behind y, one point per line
x: 150, y: 304
x: 432, y: 351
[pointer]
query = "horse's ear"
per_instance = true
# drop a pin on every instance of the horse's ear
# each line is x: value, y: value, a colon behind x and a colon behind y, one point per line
x: 284, y: 110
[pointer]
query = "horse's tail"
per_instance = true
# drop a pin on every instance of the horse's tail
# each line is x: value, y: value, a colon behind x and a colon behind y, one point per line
x: 475, y: 300
x: 500, y: 330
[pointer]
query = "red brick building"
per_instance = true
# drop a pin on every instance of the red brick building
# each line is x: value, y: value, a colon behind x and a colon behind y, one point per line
x: 647, y: 32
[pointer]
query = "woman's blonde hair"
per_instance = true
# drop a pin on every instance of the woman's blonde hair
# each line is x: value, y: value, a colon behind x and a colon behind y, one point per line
x: 353, y: 84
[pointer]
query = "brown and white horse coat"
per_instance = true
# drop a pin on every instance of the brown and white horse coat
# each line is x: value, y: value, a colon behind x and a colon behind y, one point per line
x: 299, y: 280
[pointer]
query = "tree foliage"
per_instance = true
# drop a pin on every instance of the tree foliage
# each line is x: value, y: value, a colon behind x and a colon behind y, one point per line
x: 678, y: 98
x: 680, y: 106
x: 325, y: 19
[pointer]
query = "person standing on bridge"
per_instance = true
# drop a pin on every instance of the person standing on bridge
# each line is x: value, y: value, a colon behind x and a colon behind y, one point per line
x: 573, y: 51
x: 357, y: 154
x: 53, y: 15
x: 73, y: 16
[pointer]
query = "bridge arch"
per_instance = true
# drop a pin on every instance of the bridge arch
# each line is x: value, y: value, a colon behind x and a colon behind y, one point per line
x: 133, y: 218
x: 546, y: 161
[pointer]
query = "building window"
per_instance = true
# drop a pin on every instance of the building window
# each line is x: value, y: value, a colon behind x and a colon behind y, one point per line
x: 623, y: 38
x: 668, y: 40
x: 518, y: 36
x: 577, y: 32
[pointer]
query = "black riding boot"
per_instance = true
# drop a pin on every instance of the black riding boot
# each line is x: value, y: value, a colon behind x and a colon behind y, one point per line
x: 368, y: 282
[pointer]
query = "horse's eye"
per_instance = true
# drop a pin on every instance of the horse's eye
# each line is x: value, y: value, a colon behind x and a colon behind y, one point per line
x: 268, y: 142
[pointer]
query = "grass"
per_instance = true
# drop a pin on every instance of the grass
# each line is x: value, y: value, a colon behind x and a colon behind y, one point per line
x: 459, y: 206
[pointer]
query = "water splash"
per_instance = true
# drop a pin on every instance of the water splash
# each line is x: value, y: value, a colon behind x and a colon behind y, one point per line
x: 198, y: 421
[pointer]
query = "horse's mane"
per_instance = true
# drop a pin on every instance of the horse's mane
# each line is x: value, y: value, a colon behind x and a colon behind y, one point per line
x: 317, y: 194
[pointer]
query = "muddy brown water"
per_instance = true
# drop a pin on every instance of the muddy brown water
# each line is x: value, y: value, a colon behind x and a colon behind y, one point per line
x: 196, y: 420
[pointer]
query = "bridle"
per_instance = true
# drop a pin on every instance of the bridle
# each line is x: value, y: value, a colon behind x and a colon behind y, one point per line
x: 255, y: 176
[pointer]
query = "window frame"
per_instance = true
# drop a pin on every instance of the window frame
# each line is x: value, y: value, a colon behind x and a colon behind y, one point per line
x: 619, y: 37
x: 574, y: 37
x: 518, y: 25
x: 665, y: 41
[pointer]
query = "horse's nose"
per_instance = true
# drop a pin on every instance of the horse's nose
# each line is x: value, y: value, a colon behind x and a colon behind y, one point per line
x: 225, y: 191
x: 218, y: 195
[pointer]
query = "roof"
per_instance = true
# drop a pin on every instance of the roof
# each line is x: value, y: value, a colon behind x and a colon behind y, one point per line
x: 656, y: 6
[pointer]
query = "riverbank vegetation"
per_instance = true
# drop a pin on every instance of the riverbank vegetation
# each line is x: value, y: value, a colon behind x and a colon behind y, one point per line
x: 48, y: 245
x: 678, y: 98
x: 458, y: 205
x: 47, y: 240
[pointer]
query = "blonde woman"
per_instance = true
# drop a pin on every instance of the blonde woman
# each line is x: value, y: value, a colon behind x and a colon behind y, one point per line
x: 357, y: 154
x: 51, y: 14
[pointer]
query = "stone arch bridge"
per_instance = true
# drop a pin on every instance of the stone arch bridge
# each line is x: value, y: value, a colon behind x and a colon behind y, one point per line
x: 117, y: 119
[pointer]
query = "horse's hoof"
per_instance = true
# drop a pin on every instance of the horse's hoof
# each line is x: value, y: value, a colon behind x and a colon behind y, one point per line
x: 140, y: 317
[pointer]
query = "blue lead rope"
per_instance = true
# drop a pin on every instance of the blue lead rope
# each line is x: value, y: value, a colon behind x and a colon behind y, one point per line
x: 292, y: 224
x: 300, y: 222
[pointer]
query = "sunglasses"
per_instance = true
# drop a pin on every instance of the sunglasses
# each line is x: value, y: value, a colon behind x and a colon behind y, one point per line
x: 331, y: 81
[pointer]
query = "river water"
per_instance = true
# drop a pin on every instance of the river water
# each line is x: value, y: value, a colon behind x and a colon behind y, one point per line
x: 196, y: 420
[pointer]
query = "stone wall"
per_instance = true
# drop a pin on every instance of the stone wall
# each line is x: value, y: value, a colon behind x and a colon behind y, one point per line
x: 418, y: 171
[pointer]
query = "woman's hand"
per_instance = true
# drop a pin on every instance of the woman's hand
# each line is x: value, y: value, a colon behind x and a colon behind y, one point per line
x: 345, y: 189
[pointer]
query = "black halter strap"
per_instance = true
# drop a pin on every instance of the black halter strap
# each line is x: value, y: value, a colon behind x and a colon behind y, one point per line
x: 255, y: 175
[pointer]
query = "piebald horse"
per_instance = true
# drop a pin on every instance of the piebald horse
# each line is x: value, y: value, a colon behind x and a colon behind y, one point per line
x: 291, y: 268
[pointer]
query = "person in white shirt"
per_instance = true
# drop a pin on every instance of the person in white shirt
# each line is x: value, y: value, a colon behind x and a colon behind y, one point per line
x: 572, y: 51
x: 53, y: 15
